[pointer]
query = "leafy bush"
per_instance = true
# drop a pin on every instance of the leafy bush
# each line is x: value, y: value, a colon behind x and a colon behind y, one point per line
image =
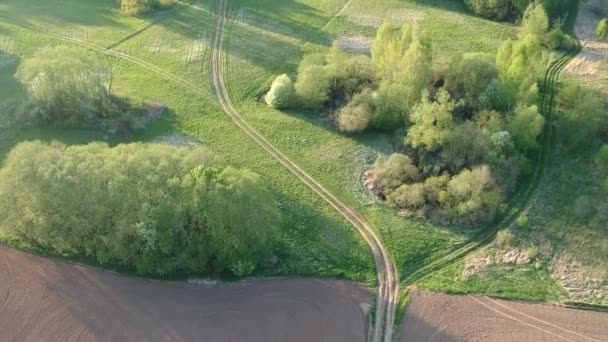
x: 582, y: 115
x: 409, y: 197
x: 602, y: 29
x: 520, y: 64
x: 280, y: 92
x: 473, y: 196
x: 356, y: 116
x: 66, y: 86
x: 431, y: 122
x: 470, y: 75
x: 154, y: 208
x: 491, y: 9
x: 522, y: 221
x: 504, y: 238
x: 525, y: 126
x: 313, y: 83
x: 535, y: 21
x: 466, y: 146
x: 395, y: 171
x: 141, y: 7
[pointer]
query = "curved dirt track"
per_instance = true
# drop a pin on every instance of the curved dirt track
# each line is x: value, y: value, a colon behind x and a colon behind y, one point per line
x: 388, y: 282
x: 47, y: 300
x: 440, y: 317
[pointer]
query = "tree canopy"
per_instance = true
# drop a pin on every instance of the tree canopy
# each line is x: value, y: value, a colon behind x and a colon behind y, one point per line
x: 154, y: 208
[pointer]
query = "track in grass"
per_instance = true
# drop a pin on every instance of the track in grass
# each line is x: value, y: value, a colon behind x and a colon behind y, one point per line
x: 388, y: 283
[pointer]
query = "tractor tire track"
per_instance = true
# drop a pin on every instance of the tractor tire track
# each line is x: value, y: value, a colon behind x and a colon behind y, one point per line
x: 388, y: 284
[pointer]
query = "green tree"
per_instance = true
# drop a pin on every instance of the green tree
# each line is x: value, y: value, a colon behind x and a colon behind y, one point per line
x: 520, y: 64
x: 470, y: 75
x: 431, y: 122
x: 602, y: 29
x: 525, y: 126
x: 135, y: 7
x: 492, y: 9
x: 280, y: 93
x: 313, y: 83
x: 582, y: 115
x: 66, y: 86
x: 601, y: 160
x: 535, y: 21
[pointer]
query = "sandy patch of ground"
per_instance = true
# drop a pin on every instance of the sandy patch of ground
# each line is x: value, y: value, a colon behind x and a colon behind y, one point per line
x: 356, y: 44
x: 398, y: 17
x: 592, y: 62
x: 481, y: 262
x: 440, y: 317
x: 583, y: 283
x: 177, y: 140
x: 47, y: 300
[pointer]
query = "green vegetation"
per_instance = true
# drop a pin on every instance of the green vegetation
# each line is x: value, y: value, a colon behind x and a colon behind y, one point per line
x: 602, y: 29
x: 141, y: 7
x: 158, y: 209
x: 503, y: 281
x: 66, y: 87
x: 281, y: 92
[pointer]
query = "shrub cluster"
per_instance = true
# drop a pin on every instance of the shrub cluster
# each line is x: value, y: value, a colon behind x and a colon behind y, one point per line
x: 69, y: 87
x: 141, y: 7
x: 156, y: 209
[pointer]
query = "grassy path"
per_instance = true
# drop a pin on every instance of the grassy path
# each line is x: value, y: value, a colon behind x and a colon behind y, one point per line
x: 388, y: 283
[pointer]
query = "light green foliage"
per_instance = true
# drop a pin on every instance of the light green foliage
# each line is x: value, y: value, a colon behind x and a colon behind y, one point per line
x: 492, y: 9
x: 404, y: 66
x: 504, y: 238
x: 431, y: 122
x: 525, y: 125
x: 522, y: 221
x: 470, y: 75
x: 602, y: 29
x: 583, y: 115
x: 389, y: 47
x: 66, y: 86
x: 465, y: 146
x: 409, y: 197
x: 313, y: 83
x: 357, y: 114
x: 141, y: 7
x: 520, y: 64
x: 349, y: 74
x: 280, y: 93
x: 473, y: 196
x: 395, y: 171
x: 535, y: 21
x: 490, y: 121
x: 154, y: 208
x: 135, y: 7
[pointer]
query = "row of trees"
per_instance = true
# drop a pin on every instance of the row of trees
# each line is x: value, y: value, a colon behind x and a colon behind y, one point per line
x: 515, y: 9
x: 154, y: 208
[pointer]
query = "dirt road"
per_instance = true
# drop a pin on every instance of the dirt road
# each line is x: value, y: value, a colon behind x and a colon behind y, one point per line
x: 47, y: 300
x: 440, y: 317
x: 388, y: 289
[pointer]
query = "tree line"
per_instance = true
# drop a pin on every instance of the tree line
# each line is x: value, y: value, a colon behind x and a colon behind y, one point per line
x: 155, y: 209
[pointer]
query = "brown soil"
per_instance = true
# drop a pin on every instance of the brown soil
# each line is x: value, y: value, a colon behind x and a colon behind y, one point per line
x: 440, y: 317
x: 47, y: 300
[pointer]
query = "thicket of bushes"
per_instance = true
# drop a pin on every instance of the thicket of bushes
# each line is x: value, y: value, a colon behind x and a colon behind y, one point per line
x: 69, y: 87
x: 141, y: 7
x: 156, y: 209
x: 468, y: 129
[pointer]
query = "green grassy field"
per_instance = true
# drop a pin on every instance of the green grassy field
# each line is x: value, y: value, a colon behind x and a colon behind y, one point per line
x: 266, y: 38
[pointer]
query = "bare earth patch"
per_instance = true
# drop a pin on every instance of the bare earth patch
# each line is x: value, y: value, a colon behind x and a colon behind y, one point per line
x: 356, y: 44
x: 440, y: 317
x: 592, y: 63
x: 47, y: 300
